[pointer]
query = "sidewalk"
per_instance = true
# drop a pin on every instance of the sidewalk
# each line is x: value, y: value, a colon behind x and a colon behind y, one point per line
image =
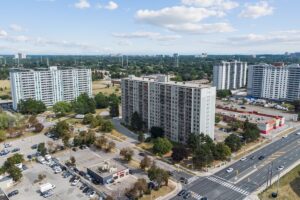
x: 173, y: 193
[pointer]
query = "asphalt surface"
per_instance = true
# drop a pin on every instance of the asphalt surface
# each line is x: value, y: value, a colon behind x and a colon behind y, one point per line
x: 248, y: 175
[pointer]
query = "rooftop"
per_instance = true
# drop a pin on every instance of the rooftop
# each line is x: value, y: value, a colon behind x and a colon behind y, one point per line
x: 164, y: 80
x: 107, y: 168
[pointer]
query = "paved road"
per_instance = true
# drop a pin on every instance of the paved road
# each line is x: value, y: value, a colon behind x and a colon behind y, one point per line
x: 251, y: 173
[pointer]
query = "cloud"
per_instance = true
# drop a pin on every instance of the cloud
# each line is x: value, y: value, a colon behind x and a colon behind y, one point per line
x: 82, y: 4
x: 184, y: 19
x: 3, y: 33
x: 220, y: 4
x: 257, y: 10
x: 16, y: 27
x: 147, y: 35
x: 111, y: 6
x: 274, y: 38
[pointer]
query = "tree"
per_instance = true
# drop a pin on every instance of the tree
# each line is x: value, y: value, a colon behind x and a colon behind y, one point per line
x: 6, y: 121
x: 223, y: 93
x: 179, y: 153
x: 111, y: 146
x: 136, y: 122
x: 139, y: 188
x: 106, y: 126
x: 88, y: 118
x: 101, y: 142
x: 2, y: 135
x: 221, y: 151
x: 218, y: 118
x: 158, y: 175
x: 32, y: 120
x: 31, y: 106
x: 195, y: 140
x: 42, y: 149
x: 157, y: 132
x: 61, y: 129
x: 62, y: 108
x: 162, y: 146
x: 73, y: 160
x: 141, y: 137
x: 251, y: 135
x: 114, y: 109
x: 38, y: 127
x: 101, y: 100
x: 233, y: 142
x: 84, y: 104
x: 146, y: 162
x: 15, y: 173
x: 127, y: 153
x: 202, y: 156
x: 235, y: 125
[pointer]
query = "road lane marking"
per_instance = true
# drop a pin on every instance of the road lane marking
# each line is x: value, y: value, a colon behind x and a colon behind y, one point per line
x: 228, y: 185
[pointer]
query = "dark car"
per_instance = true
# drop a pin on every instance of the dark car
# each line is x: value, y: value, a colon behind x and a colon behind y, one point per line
x: 81, y: 173
x: 261, y: 157
x: 82, y: 187
x: 204, y: 198
x: 182, y: 192
x: 15, y: 150
x: 96, y: 182
x: 141, y: 154
x: 252, y: 157
x: 85, y: 190
x: 35, y: 146
x: 13, y: 193
x: 187, y: 195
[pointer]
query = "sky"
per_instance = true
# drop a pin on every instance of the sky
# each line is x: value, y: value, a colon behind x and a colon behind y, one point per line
x: 97, y: 27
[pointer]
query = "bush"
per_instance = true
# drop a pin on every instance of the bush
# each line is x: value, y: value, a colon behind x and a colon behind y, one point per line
x: 162, y: 146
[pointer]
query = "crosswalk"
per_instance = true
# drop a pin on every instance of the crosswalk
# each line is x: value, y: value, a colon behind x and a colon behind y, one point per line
x: 192, y: 179
x: 228, y: 185
x: 196, y: 196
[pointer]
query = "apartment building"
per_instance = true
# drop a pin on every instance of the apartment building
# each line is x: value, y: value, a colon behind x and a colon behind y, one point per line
x: 277, y: 82
x: 230, y: 75
x: 50, y: 85
x: 177, y: 107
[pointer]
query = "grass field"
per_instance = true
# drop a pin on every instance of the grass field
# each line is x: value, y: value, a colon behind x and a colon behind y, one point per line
x: 289, y: 187
x: 4, y: 87
x: 102, y: 86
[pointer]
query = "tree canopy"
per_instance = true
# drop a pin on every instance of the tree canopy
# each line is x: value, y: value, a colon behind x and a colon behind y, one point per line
x: 84, y: 104
x: 31, y: 106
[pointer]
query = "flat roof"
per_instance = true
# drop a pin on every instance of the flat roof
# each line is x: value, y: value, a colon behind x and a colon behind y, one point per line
x: 111, y: 163
x: 183, y: 84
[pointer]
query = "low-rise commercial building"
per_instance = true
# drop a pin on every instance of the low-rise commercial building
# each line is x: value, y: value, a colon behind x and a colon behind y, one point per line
x: 107, y: 172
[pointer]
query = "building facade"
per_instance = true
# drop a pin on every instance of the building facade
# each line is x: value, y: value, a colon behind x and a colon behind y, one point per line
x: 276, y: 82
x: 178, y: 108
x: 49, y: 86
x: 230, y: 75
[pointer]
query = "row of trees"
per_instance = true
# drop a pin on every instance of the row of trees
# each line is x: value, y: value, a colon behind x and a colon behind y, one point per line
x: 83, y: 104
x: 94, y: 122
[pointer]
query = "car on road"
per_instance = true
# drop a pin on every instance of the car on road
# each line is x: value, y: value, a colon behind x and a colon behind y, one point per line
x: 285, y: 136
x: 281, y: 167
x: 261, y: 157
x: 187, y: 195
x: 252, y: 157
x: 13, y: 193
x: 229, y: 170
x: 204, y: 198
x: 298, y: 133
x: 243, y: 159
x: 182, y: 192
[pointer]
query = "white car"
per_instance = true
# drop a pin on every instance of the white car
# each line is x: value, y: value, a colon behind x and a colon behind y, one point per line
x: 92, y: 194
x: 75, y: 182
x: 281, y: 167
x: 243, y: 159
x: 285, y: 136
x: 298, y: 133
x: 57, y: 170
x: 229, y: 170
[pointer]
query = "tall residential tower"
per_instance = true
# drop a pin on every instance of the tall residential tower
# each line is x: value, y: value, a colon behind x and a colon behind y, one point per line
x: 177, y: 107
x: 230, y: 75
x: 49, y: 86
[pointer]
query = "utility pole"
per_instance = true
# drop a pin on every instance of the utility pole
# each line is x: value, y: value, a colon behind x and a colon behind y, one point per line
x: 271, y: 173
x: 278, y: 182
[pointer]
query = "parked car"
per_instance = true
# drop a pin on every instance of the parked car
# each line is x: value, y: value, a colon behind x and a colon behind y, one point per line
x: 261, y: 157
x: 92, y: 194
x: 13, y: 193
x: 243, y: 159
x: 15, y: 150
x: 35, y: 146
x: 281, y: 167
x: 75, y: 182
x: 187, y: 195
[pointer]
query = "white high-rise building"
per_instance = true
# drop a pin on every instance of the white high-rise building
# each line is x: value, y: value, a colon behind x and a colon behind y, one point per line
x: 277, y: 82
x: 230, y: 75
x: 177, y: 107
x: 49, y: 86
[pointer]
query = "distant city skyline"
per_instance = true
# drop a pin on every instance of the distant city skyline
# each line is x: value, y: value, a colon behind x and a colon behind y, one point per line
x: 94, y: 27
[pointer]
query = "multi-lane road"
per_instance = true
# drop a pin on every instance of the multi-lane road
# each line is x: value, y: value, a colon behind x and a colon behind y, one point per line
x: 247, y: 176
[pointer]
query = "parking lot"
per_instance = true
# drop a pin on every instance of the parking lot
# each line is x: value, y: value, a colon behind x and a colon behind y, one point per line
x: 29, y: 190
